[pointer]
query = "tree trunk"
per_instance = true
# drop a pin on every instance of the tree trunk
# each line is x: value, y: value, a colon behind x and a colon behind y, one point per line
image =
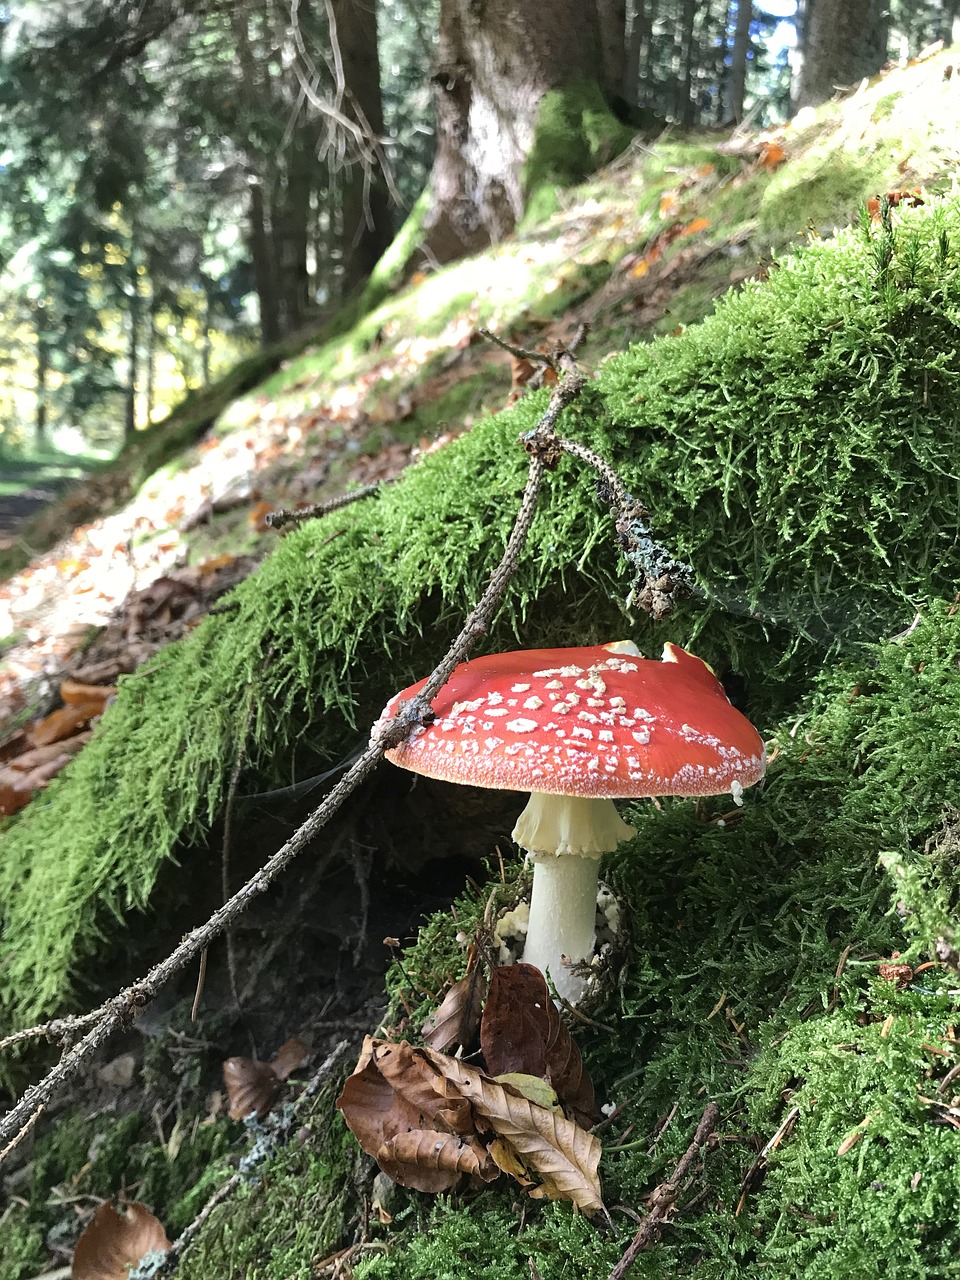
x: 738, y: 61
x: 291, y: 227
x: 43, y: 369
x: 689, y: 54
x: 495, y: 63
x: 264, y: 275
x: 366, y: 222
x: 133, y: 354
x: 150, y: 356
x: 845, y: 41
x: 634, y: 55
x: 612, y: 15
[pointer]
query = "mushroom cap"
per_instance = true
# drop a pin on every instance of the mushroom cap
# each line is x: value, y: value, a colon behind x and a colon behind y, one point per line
x: 592, y: 721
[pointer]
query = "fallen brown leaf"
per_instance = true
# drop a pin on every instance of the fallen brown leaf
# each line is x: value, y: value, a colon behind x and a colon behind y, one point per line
x: 63, y: 723
x: 43, y: 755
x: 115, y: 1240
x: 252, y: 1087
x: 395, y: 1108
x: 76, y: 694
x: 564, y: 1155
x: 521, y: 1031
x: 291, y: 1055
x: 457, y: 1020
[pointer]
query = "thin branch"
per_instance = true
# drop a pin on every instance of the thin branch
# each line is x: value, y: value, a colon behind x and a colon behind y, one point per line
x: 60, y: 1030
x: 277, y: 519
x: 665, y: 1196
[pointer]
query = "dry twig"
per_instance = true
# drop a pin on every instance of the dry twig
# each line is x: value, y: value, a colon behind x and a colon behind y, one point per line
x: 665, y: 1196
x: 278, y: 519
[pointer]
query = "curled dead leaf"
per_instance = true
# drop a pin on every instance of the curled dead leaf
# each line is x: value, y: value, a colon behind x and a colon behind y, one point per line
x: 63, y: 723
x: 252, y: 1087
x: 564, y: 1156
x: 394, y: 1105
x: 74, y: 693
x: 431, y: 1160
x: 116, y: 1239
x: 291, y: 1055
x: 426, y: 1117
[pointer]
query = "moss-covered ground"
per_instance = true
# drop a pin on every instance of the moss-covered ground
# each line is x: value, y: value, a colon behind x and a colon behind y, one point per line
x: 800, y: 448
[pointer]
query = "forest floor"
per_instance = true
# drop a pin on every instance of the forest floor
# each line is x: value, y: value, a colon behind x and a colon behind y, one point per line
x: 641, y: 251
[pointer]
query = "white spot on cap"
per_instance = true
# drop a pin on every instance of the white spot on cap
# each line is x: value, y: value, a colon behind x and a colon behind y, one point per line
x: 491, y: 744
x: 519, y: 688
x: 534, y: 703
x: 642, y: 736
x: 605, y: 735
x: 521, y: 726
x: 494, y: 698
x: 553, y: 684
x: 583, y: 733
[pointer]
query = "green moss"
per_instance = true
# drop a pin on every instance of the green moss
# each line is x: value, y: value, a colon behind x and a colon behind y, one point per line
x: 576, y: 133
x: 822, y: 191
x: 885, y: 107
x: 791, y: 447
x: 102, y: 1156
x: 22, y: 1251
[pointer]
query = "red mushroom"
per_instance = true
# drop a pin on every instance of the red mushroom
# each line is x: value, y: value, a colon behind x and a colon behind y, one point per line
x: 579, y: 728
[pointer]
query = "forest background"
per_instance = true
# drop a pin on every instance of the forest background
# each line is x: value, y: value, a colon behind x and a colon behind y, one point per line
x: 182, y: 181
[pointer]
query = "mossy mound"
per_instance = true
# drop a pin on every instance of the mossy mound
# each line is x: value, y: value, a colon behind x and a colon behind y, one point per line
x: 750, y: 976
x: 792, y: 447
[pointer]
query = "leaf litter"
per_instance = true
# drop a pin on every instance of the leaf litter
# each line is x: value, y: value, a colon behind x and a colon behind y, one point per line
x: 429, y: 1118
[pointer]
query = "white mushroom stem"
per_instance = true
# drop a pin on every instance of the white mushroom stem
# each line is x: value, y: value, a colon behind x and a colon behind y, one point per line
x: 564, y: 837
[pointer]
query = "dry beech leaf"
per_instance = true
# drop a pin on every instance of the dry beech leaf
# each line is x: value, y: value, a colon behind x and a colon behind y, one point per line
x: 38, y: 756
x: 291, y: 1055
x: 76, y: 694
x: 564, y: 1156
x: 252, y: 1086
x: 401, y: 1092
x: 434, y: 1159
x: 457, y: 1019
x: 521, y: 1031
x: 114, y: 1240
x: 63, y: 723
x: 14, y: 797
x: 393, y: 1097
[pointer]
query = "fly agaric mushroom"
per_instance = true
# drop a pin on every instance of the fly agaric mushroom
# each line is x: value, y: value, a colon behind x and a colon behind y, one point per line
x: 579, y: 728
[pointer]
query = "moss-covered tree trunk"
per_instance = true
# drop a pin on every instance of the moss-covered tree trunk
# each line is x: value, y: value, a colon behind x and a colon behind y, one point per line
x: 496, y: 63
